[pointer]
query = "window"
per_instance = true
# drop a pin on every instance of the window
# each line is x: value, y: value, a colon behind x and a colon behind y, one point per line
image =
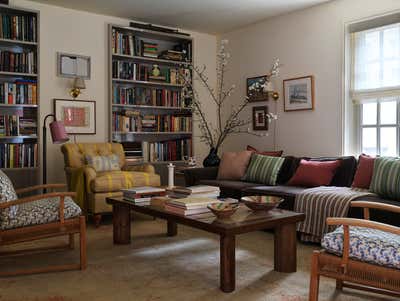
x: 376, y: 89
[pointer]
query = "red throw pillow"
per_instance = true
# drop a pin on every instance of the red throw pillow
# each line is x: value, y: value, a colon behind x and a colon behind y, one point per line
x: 365, y: 169
x: 271, y: 153
x: 314, y: 173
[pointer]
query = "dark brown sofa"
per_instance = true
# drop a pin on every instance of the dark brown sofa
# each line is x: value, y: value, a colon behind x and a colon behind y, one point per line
x: 236, y: 189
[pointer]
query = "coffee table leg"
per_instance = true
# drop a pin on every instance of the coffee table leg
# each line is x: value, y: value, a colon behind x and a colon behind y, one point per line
x: 121, y: 224
x: 172, y: 228
x: 227, y: 263
x: 285, y: 248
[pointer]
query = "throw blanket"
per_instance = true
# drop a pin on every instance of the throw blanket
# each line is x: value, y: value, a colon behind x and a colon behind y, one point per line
x: 78, y: 185
x: 321, y: 202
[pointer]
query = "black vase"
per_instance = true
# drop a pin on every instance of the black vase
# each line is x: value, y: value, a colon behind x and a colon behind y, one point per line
x: 212, y: 159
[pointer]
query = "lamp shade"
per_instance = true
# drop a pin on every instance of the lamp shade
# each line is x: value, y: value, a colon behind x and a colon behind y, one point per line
x: 79, y: 83
x: 58, y: 133
x: 269, y: 87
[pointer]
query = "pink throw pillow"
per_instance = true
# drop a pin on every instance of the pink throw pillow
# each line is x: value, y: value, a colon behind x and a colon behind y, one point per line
x: 233, y: 165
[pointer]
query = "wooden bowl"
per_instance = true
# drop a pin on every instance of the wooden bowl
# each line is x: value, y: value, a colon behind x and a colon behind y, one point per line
x: 261, y: 202
x: 222, y: 210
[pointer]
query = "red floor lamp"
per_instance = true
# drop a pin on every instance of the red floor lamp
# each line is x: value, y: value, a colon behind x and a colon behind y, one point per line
x: 58, y: 136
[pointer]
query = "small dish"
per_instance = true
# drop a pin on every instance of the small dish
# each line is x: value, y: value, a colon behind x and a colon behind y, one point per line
x: 223, y: 210
x: 261, y: 202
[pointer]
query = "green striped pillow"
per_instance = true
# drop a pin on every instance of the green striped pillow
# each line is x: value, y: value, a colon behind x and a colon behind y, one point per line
x: 386, y: 177
x: 263, y: 169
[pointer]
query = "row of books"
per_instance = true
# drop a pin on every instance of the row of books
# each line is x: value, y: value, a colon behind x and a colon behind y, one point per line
x: 14, y: 125
x: 123, y: 43
x: 20, y: 92
x: 143, y: 72
x: 170, y: 123
x: 21, y: 28
x: 18, y: 155
x: 24, y: 62
x: 147, y: 96
x: 173, y: 150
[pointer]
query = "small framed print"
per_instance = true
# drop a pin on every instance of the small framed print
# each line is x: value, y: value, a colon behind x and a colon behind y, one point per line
x: 72, y: 65
x: 78, y: 116
x: 260, y: 120
x: 254, y: 88
x: 299, y: 93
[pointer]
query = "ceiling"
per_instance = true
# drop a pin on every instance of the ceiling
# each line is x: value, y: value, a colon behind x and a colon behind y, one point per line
x: 211, y: 16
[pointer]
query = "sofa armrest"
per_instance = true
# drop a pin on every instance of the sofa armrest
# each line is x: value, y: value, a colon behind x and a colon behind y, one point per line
x: 194, y: 175
x: 141, y: 168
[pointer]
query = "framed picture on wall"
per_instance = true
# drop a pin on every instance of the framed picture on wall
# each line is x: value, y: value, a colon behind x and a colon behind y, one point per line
x: 299, y: 93
x: 78, y: 116
x: 260, y: 120
x: 254, y: 89
x: 72, y: 65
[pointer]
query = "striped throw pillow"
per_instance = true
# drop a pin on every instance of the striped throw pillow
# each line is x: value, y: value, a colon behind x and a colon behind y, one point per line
x: 263, y: 169
x: 386, y: 177
x: 103, y: 163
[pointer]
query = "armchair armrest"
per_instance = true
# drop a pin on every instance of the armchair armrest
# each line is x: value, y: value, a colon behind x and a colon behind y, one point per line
x: 194, y: 175
x: 40, y: 187
x: 374, y: 205
x: 146, y: 167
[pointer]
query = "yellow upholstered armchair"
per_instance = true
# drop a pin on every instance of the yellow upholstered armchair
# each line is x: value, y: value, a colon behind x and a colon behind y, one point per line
x: 92, y: 187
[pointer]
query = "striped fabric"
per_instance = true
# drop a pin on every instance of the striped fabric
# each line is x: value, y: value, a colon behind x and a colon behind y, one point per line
x: 319, y: 203
x: 386, y: 177
x: 263, y: 169
x: 103, y: 163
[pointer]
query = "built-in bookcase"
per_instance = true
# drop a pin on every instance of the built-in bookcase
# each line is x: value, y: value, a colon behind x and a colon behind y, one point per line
x: 149, y: 114
x: 19, y: 95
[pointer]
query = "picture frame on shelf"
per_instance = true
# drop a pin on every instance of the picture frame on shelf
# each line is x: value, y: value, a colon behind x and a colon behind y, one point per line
x: 254, y: 89
x: 298, y: 93
x: 260, y: 120
x: 72, y: 65
x: 78, y: 116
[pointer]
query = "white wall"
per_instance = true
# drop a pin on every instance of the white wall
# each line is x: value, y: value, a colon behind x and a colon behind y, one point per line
x: 72, y: 31
x: 308, y: 42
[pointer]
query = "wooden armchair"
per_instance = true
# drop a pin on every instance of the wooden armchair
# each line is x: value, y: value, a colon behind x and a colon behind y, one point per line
x: 382, y: 276
x: 60, y: 226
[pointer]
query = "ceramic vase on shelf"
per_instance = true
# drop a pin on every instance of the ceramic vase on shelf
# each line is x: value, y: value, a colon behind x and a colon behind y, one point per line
x: 212, y: 158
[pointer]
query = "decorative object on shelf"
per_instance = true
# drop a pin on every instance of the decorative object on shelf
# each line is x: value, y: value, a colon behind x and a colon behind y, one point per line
x: 299, y: 93
x: 58, y: 136
x: 171, y: 168
x: 260, y: 118
x: 155, y: 71
x: 254, y: 88
x: 212, y: 158
x: 78, y: 116
x: 233, y: 124
x: 71, y: 65
x: 77, y: 85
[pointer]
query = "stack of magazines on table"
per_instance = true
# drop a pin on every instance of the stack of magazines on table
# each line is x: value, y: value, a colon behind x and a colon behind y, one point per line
x: 194, y: 191
x: 190, y: 205
x: 142, y: 195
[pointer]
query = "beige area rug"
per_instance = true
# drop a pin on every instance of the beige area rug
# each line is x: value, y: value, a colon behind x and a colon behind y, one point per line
x: 155, y: 267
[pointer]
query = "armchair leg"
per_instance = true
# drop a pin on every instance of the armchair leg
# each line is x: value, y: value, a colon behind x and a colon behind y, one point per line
x: 82, y: 245
x: 71, y: 241
x: 97, y: 220
x: 314, y: 281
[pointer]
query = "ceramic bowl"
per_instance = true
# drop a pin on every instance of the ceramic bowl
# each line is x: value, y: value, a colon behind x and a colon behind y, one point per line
x: 261, y: 202
x: 222, y: 210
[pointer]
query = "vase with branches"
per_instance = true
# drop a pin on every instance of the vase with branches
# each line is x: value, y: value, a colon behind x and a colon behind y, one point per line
x: 214, y: 134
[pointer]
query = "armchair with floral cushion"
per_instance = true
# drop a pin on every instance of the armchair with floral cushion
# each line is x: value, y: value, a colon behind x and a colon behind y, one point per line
x: 36, y: 217
x: 96, y: 171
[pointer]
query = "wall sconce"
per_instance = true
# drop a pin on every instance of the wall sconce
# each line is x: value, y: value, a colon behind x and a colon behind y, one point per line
x: 77, y: 86
x: 270, y: 89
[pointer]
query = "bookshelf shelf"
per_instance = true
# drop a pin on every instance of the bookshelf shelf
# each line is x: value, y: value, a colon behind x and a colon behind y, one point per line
x: 19, y: 153
x: 141, y: 82
x: 151, y: 107
x: 153, y: 133
x: 149, y: 59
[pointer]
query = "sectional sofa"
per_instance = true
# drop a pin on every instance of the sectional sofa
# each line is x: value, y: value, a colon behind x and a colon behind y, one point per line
x: 343, y: 178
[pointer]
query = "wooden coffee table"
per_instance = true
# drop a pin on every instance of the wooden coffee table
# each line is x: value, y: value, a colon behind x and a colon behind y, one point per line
x: 243, y: 221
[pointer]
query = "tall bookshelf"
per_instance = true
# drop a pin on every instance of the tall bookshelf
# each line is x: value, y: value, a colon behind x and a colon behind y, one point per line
x: 149, y: 113
x: 19, y: 95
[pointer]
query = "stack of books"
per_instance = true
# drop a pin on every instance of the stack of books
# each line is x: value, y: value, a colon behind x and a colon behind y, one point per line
x: 149, y: 49
x: 172, y: 55
x: 142, y: 195
x: 189, y: 206
x: 203, y: 191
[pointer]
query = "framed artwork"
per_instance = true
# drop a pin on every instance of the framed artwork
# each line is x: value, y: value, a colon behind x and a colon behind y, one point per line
x: 71, y: 65
x: 78, y: 116
x: 254, y: 89
x: 298, y: 93
x: 260, y: 120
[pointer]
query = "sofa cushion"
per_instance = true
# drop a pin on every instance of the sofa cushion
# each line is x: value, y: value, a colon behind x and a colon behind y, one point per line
x: 365, y: 169
x: 233, y: 165
x: 265, y: 153
x: 7, y: 194
x: 314, y: 173
x: 263, y: 169
x: 103, y: 163
x: 117, y: 180
x: 368, y: 245
x: 386, y: 177
x: 43, y: 211
x: 227, y: 184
